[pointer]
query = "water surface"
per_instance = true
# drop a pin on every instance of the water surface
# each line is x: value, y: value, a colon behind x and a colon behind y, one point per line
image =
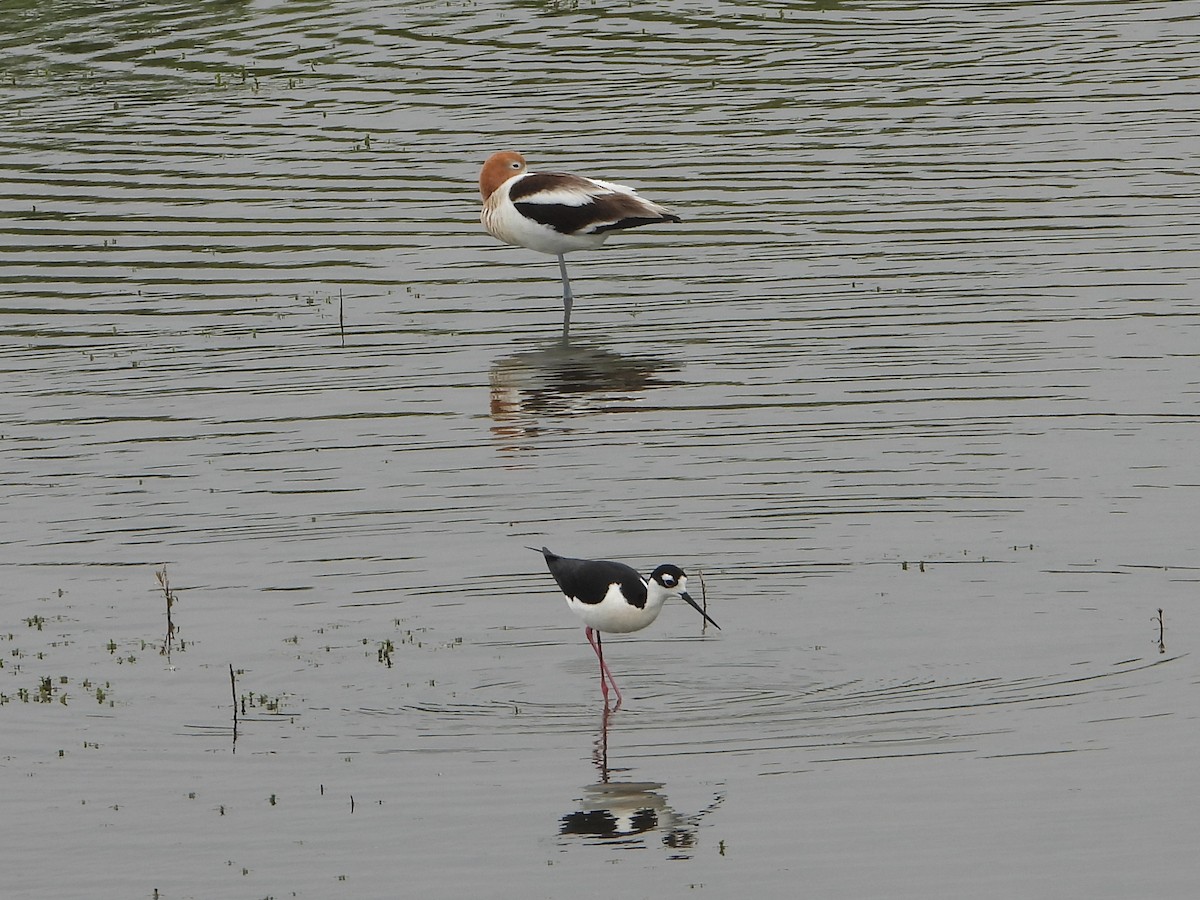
x: 913, y: 387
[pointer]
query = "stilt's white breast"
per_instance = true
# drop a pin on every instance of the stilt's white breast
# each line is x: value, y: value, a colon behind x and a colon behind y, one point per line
x: 616, y: 615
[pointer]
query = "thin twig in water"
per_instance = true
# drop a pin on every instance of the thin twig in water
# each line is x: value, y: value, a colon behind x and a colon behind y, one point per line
x: 342, y: 316
x: 233, y: 691
x: 1162, y: 646
x: 165, y: 583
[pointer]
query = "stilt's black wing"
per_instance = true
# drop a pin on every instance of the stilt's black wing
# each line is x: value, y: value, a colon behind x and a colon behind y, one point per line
x: 588, y: 580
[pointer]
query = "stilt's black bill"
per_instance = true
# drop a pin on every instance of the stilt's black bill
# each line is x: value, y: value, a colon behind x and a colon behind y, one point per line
x: 696, y: 607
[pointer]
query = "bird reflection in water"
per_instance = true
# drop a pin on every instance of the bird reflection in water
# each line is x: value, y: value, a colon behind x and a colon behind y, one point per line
x: 564, y: 379
x: 630, y: 814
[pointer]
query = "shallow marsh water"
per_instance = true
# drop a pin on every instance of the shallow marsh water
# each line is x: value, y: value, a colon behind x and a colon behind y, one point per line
x: 914, y: 387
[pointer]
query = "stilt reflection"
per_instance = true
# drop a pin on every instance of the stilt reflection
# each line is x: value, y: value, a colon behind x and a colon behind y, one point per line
x: 632, y: 814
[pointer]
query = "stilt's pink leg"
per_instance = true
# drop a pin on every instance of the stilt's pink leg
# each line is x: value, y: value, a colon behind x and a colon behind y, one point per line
x: 604, y: 673
x: 603, y: 684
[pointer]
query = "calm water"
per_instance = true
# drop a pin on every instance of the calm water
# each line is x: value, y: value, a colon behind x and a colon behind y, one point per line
x: 914, y: 387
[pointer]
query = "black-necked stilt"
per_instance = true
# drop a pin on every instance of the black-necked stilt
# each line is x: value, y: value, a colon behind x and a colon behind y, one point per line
x: 554, y: 212
x: 613, y: 597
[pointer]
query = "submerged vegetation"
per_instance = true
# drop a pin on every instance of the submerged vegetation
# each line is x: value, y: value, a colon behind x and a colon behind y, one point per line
x: 25, y: 676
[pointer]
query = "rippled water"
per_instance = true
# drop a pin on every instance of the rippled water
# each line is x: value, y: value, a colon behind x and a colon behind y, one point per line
x: 914, y: 388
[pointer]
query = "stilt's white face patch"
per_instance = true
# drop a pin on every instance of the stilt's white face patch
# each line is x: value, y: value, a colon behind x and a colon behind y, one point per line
x: 668, y: 581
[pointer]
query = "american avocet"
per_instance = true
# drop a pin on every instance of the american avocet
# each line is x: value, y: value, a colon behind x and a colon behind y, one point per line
x: 613, y: 597
x: 554, y: 212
